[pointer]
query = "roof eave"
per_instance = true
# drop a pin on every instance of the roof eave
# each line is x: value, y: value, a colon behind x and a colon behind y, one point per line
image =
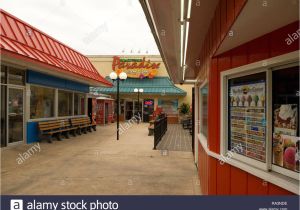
x: 11, y: 57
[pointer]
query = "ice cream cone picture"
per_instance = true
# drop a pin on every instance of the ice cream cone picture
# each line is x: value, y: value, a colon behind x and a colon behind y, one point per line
x: 249, y: 100
x: 232, y: 100
x: 243, y: 100
x: 237, y: 100
x: 256, y: 99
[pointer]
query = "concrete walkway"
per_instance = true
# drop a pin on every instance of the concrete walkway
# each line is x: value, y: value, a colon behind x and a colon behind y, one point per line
x: 95, y: 163
x: 176, y: 139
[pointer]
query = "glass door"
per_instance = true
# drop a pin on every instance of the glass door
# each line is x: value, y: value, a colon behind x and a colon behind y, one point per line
x: 148, y: 109
x: 138, y: 107
x: 15, y: 115
x: 128, y: 110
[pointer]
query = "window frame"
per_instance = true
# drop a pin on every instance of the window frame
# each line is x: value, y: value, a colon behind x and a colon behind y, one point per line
x: 274, y: 167
x: 28, y: 86
x: 54, y: 105
x: 248, y: 160
x: 205, y: 83
x: 244, y: 71
x: 85, y: 99
x: 72, y: 105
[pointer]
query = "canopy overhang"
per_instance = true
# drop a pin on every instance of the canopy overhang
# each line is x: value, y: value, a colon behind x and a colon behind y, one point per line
x: 168, y: 18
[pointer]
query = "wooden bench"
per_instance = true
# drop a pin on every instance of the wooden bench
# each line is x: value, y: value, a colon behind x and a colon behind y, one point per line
x: 83, y: 124
x: 55, y: 128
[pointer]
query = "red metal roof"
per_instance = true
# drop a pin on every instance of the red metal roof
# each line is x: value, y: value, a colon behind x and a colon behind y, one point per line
x: 25, y: 41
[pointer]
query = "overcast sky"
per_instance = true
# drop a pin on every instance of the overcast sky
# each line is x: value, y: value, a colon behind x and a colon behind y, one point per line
x: 92, y: 27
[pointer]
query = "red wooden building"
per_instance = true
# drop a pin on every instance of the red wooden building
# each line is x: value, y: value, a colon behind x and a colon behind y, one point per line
x: 242, y: 57
x: 104, y: 110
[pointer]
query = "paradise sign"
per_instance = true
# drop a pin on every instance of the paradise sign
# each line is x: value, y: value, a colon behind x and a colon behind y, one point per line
x: 135, y: 68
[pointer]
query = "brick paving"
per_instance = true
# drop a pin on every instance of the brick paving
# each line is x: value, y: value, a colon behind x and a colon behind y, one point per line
x: 176, y: 139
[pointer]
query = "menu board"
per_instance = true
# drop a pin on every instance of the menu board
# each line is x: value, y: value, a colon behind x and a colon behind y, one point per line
x: 248, y: 119
x: 285, y: 142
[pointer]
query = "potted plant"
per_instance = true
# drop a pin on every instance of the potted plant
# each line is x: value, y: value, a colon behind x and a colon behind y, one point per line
x: 184, y: 109
x: 184, y: 112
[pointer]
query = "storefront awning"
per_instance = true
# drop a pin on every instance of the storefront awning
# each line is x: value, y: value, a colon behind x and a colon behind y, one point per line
x: 156, y: 86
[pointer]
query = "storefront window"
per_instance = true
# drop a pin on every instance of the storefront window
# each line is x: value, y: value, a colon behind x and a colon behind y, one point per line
x: 168, y: 106
x: 65, y: 103
x: 41, y: 102
x: 285, y: 103
x: 3, y: 74
x: 79, y: 104
x: 16, y: 76
x: 204, y: 110
x: 247, y: 116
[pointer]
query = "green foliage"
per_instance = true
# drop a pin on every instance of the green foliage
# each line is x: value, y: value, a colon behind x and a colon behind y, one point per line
x: 184, y: 108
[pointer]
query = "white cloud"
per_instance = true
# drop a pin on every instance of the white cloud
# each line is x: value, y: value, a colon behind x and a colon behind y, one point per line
x: 89, y: 26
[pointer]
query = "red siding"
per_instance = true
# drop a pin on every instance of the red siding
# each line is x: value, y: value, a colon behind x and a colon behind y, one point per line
x: 223, y: 179
x: 230, y: 13
x: 212, y: 175
x: 223, y: 18
x: 238, y: 181
x: 213, y: 107
x: 238, y: 5
x: 239, y: 56
x: 256, y: 186
x: 275, y: 190
x: 278, y: 38
x: 224, y: 62
x: 258, y: 49
x: 226, y: 179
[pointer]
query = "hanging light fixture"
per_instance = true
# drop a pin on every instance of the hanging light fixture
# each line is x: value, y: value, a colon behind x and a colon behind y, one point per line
x: 184, y: 33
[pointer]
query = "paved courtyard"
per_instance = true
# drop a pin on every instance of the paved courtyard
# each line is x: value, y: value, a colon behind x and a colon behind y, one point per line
x: 176, y: 139
x: 95, y: 163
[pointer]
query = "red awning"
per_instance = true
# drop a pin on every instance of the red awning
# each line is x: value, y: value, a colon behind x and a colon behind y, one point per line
x: 24, y: 41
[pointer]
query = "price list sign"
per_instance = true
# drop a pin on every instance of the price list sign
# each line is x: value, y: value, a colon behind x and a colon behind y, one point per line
x: 247, y: 115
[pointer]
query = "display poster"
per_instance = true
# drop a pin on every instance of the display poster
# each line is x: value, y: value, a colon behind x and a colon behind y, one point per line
x: 285, y: 140
x: 248, y: 119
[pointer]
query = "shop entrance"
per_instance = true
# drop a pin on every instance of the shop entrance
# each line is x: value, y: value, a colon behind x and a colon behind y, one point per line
x: 148, y: 109
x: 128, y: 110
x: 106, y: 113
x: 90, y: 107
x: 12, y: 115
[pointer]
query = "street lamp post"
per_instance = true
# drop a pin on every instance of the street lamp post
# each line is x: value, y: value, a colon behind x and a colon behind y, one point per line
x: 115, y: 77
x: 138, y: 91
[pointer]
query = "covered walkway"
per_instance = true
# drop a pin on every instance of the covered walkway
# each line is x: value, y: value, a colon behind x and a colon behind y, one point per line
x: 176, y: 139
x: 96, y: 163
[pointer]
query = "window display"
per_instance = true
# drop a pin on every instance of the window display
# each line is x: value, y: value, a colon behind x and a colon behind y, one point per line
x: 65, y: 103
x: 247, y: 115
x: 204, y: 110
x: 79, y: 104
x: 286, y: 118
x: 41, y: 102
